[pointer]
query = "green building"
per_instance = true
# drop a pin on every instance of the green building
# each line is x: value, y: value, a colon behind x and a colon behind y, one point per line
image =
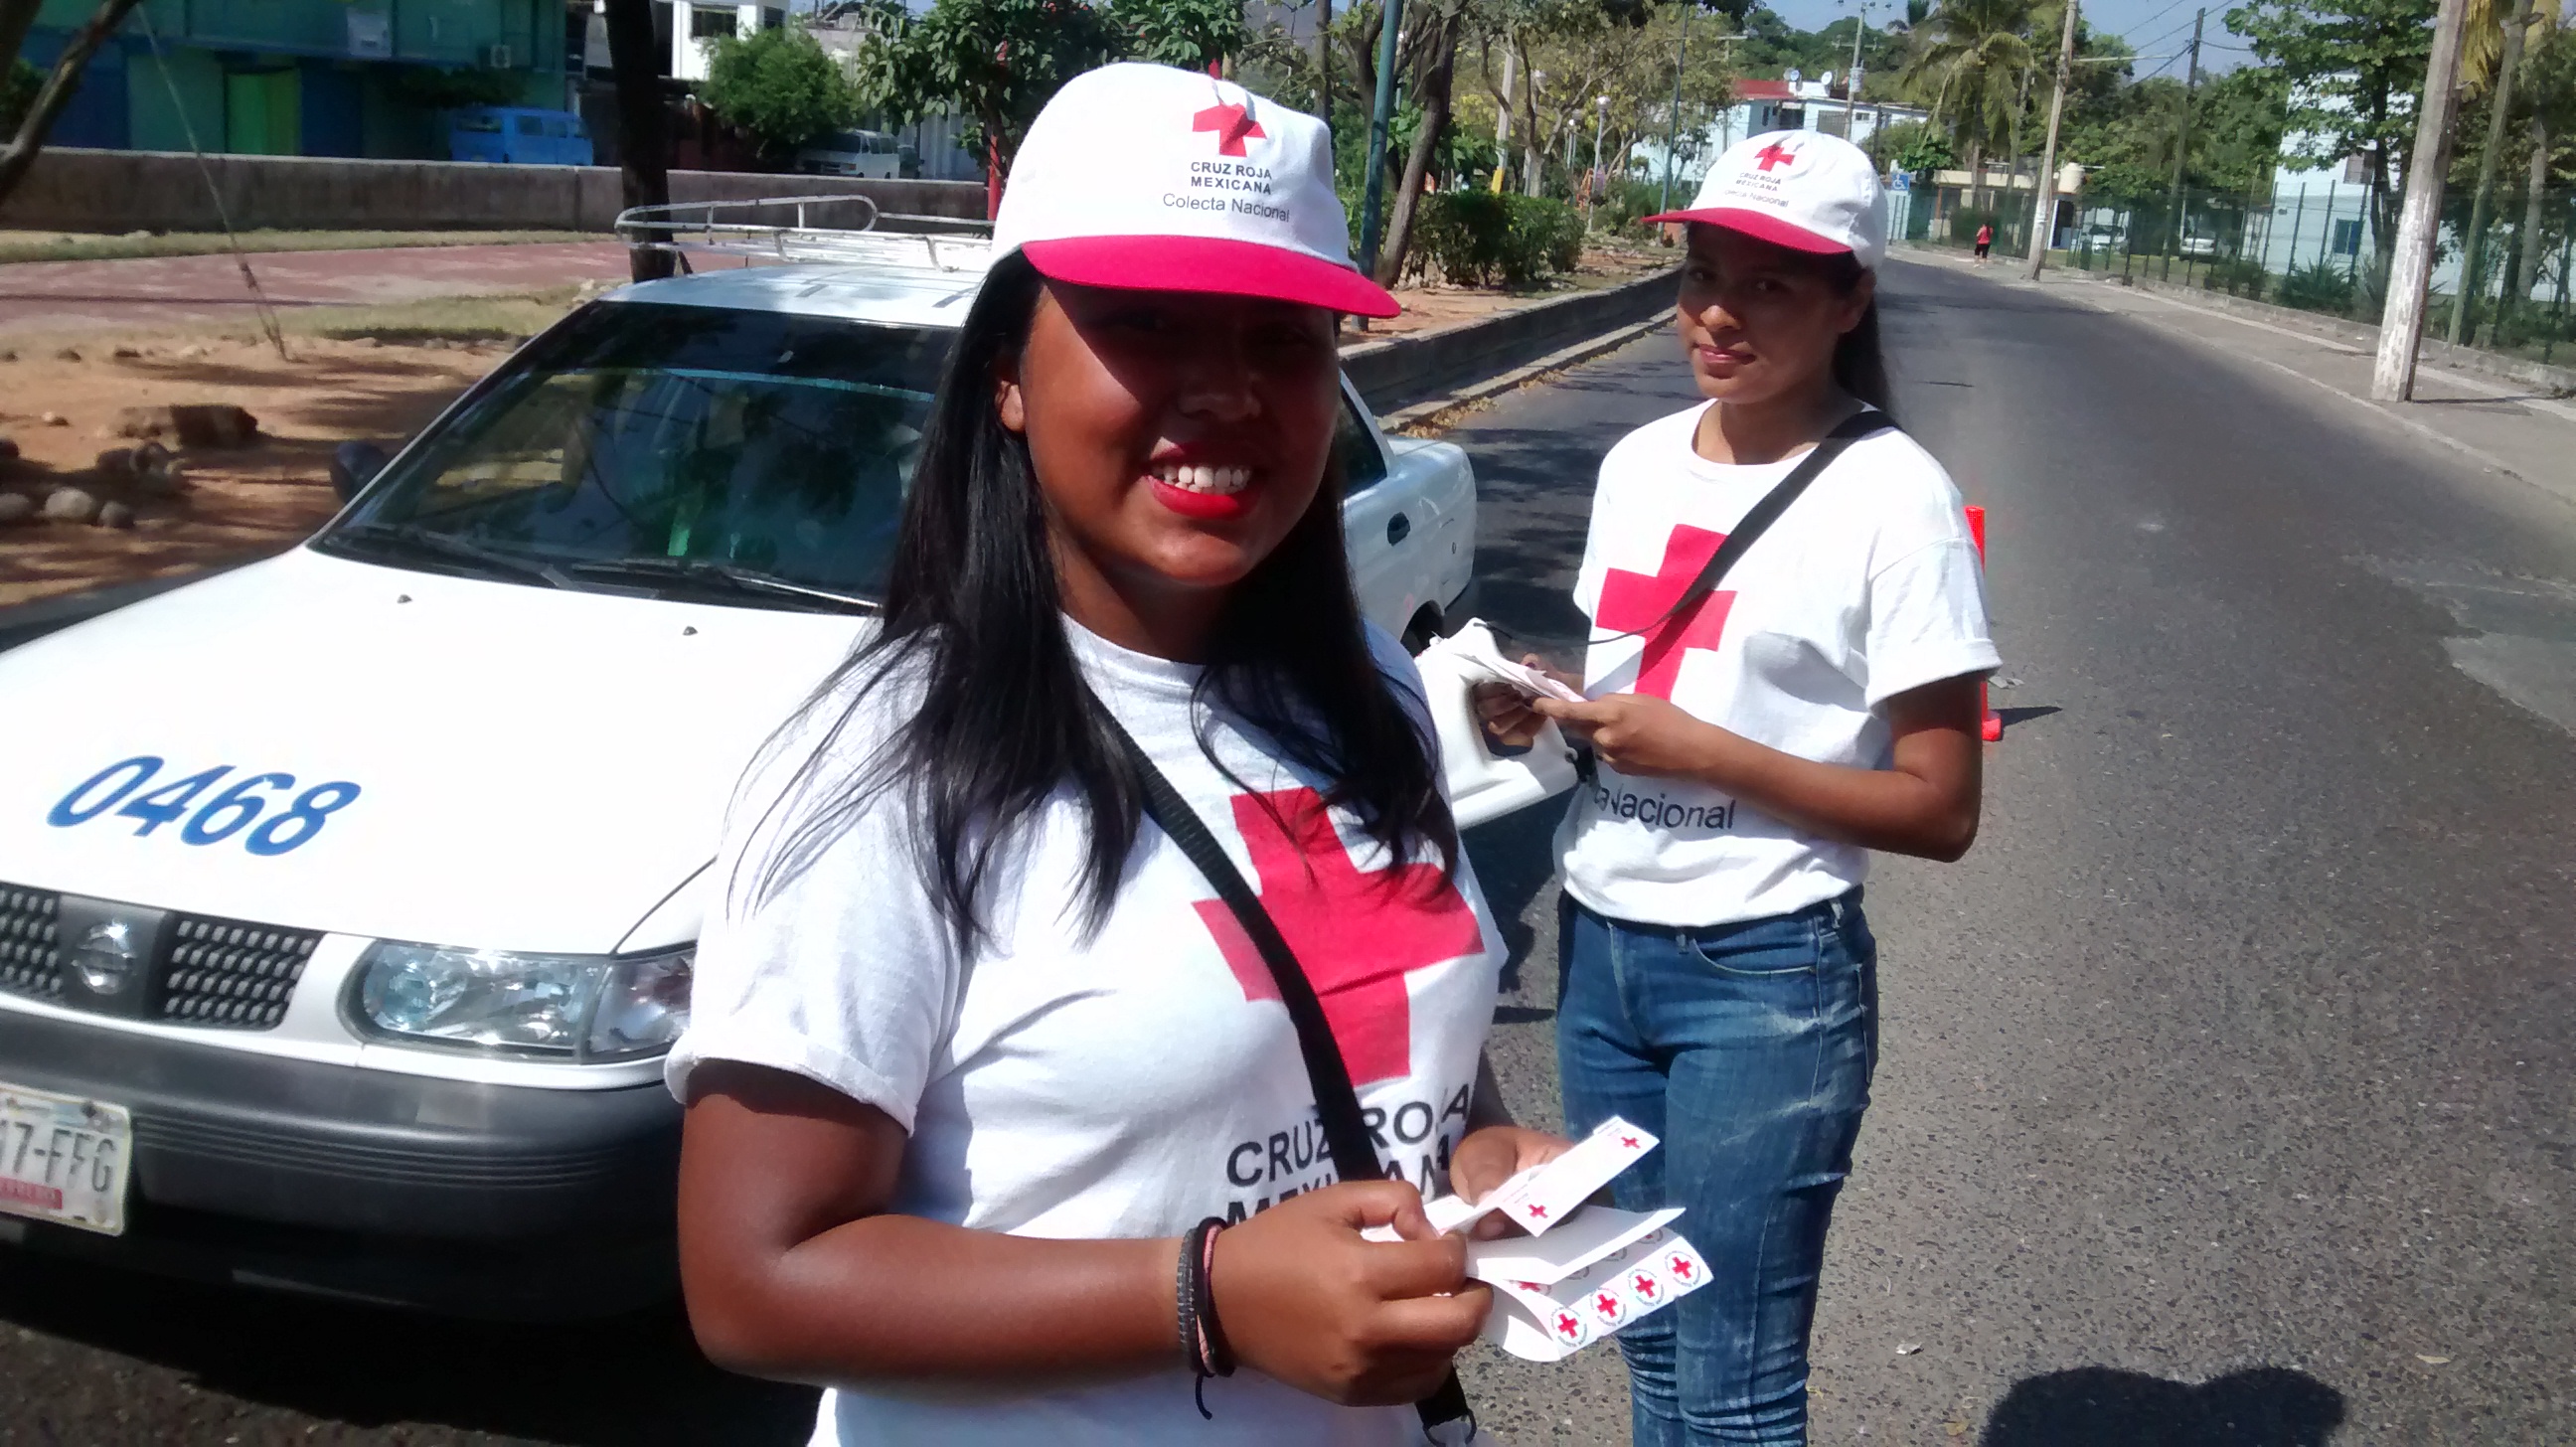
x: 305, y: 77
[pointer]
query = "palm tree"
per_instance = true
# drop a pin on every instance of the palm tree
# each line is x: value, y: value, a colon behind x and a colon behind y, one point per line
x: 1968, y: 65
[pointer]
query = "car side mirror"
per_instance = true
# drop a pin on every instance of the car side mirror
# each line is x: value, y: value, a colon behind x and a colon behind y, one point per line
x: 354, y: 465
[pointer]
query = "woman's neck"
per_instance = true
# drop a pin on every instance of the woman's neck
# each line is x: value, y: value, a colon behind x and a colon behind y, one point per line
x: 1754, y: 433
x: 1168, y: 623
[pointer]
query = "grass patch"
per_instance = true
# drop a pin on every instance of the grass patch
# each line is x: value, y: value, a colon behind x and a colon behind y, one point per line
x: 450, y: 318
x: 56, y: 246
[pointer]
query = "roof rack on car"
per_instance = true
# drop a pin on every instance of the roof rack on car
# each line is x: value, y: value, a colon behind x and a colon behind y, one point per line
x: 789, y: 228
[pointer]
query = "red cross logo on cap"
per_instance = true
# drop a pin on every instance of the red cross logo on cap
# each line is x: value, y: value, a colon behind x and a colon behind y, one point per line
x: 1358, y: 934
x: 1637, y: 600
x: 1774, y: 154
x: 1233, y: 126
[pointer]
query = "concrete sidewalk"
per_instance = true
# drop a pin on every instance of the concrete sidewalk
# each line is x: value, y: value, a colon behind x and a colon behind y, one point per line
x: 155, y: 292
x: 2499, y: 426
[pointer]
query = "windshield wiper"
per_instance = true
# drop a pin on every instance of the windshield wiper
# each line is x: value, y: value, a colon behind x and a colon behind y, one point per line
x: 419, y: 542
x: 729, y: 577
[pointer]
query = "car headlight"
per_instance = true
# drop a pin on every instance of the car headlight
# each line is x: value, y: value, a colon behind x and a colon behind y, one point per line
x: 569, y: 1007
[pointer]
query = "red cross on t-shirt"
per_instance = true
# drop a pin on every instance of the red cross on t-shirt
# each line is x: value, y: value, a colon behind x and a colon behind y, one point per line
x: 1356, y: 934
x: 1233, y: 126
x: 1774, y: 154
x: 1631, y: 601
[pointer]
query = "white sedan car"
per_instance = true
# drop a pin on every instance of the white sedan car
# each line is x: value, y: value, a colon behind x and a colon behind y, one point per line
x: 347, y: 899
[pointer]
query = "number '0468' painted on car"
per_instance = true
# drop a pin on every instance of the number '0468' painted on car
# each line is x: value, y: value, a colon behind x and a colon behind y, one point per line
x: 236, y: 809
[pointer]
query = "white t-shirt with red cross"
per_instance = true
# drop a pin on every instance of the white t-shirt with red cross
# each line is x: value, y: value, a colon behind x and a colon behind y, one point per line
x: 1122, y: 1086
x: 1868, y: 586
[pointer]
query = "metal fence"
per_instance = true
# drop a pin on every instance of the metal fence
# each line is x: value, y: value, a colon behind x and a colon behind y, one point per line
x: 2320, y: 248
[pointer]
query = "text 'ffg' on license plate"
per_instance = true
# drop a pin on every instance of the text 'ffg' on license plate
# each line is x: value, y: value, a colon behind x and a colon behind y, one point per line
x: 64, y: 1159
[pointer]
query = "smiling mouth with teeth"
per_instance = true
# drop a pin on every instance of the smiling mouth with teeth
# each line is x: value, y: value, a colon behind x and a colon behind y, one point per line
x: 1213, y: 481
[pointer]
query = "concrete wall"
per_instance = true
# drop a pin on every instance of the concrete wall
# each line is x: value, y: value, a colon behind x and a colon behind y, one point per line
x: 118, y: 191
x: 1401, y: 371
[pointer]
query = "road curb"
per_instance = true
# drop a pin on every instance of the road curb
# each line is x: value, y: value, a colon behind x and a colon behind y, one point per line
x: 1428, y: 419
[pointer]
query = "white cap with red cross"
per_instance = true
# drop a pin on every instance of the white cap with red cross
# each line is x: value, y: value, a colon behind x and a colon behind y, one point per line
x: 1804, y: 190
x: 1150, y: 178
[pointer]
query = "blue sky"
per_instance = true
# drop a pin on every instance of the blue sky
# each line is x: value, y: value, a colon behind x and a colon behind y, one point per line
x: 2155, y: 28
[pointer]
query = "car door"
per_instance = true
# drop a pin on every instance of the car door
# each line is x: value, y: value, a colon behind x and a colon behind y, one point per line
x: 1377, y: 522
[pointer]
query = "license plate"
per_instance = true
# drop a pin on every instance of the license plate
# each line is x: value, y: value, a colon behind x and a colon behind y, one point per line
x: 64, y: 1160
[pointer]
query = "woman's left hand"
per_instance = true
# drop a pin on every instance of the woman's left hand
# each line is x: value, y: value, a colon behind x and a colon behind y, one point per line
x: 1489, y: 1157
x: 1640, y: 735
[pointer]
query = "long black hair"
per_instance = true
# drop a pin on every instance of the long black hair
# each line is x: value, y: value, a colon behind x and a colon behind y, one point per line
x: 996, y: 715
x: 1860, y: 365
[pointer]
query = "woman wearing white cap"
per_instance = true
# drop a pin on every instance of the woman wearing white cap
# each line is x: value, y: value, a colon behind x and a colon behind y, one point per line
x: 1002, y: 1122
x: 1755, y: 735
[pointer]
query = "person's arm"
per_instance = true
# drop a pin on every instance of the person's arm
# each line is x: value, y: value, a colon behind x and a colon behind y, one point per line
x: 795, y: 1269
x: 1926, y: 803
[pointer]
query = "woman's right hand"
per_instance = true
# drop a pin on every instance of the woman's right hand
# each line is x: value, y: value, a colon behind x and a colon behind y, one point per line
x: 1504, y: 711
x: 1364, y: 1323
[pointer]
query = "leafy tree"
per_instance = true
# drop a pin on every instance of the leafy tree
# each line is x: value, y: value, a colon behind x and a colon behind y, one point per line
x: 1972, y: 64
x: 780, y: 88
x: 997, y: 62
x: 1191, y: 33
x: 19, y: 83
x: 1914, y: 147
x: 37, y: 113
x: 2354, y: 69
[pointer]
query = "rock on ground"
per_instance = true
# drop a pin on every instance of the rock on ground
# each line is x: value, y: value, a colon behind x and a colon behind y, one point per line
x: 194, y: 425
x: 16, y: 507
x: 115, y: 515
x: 70, y: 505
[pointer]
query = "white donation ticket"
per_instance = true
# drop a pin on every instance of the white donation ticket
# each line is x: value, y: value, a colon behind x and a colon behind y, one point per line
x: 1582, y: 1271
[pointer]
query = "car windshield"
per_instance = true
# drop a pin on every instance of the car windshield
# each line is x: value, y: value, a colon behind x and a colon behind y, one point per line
x: 751, y: 456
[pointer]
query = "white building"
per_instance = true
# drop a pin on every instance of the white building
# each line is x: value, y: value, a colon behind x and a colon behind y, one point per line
x: 1777, y: 105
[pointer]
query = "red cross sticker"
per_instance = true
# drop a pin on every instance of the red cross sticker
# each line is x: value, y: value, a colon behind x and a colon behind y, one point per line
x: 1645, y: 1285
x: 1233, y: 126
x: 1681, y: 1266
x: 1606, y: 1304
x: 1774, y: 154
x: 1628, y: 1142
x: 1567, y: 1326
x: 1537, y: 1213
x: 1359, y: 934
x: 1631, y: 601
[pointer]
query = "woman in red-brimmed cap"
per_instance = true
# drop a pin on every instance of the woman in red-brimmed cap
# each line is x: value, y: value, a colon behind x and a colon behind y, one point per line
x: 999, y: 1122
x: 1755, y: 736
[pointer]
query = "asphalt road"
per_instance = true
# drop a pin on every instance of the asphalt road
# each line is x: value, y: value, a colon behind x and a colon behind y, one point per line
x: 2225, y: 1094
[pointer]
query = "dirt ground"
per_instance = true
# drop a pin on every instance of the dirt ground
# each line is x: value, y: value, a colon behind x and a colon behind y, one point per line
x: 332, y: 389
x: 234, y: 500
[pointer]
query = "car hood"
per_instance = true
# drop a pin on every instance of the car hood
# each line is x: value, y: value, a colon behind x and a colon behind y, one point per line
x: 536, y: 769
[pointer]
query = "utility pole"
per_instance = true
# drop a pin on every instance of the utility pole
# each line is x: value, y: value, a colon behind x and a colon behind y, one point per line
x: 1851, y: 79
x: 2410, y: 266
x: 2182, y: 141
x: 1673, y: 122
x: 1373, y: 197
x: 2044, y: 219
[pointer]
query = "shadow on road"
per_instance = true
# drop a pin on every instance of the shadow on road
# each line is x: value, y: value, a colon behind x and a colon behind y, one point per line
x: 2104, y: 1407
x: 594, y: 1384
x: 2013, y: 716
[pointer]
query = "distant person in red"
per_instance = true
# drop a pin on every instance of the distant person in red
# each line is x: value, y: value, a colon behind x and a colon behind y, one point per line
x: 1985, y: 241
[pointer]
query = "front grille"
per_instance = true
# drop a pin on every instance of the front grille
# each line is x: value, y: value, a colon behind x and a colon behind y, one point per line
x: 29, y: 962
x: 232, y: 975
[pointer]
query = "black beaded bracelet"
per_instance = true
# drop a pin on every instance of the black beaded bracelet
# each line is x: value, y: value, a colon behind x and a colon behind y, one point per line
x: 1203, y: 1341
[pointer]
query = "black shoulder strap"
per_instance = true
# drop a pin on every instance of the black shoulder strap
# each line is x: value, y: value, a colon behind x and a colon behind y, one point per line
x: 1758, y: 519
x: 1337, y: 1103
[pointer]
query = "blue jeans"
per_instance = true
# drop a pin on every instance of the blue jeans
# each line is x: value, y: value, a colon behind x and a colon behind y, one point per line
x: 1748, y: 1048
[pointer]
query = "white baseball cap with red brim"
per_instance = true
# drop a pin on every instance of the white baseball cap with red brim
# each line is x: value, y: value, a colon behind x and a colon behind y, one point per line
x: 1148, y: 178
x: 1804, y: 190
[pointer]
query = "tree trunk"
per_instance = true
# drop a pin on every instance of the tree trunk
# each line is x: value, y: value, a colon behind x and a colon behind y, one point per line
x: 1434, y: 99
x: 57, y: 92
x: 1977, y: 174
x: 2534, y: 197
x: 1503, y: 114
x: 2499, y: 112
x: 1533, y: 171
x: 643, y: 126
x: 1324, y: 63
